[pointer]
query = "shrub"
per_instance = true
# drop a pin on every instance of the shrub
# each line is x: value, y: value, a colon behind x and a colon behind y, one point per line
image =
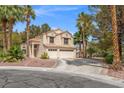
x: 44, y: 56
x: 15, y: 53
x: 91, y: 51
x: 109, y: 58
x: 3, y: 56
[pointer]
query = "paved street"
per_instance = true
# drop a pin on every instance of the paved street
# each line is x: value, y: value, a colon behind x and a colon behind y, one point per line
x: 40, y: 79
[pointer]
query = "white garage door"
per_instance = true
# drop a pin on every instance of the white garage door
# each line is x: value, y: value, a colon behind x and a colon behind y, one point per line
x: 66, y: 54
x: 52, y: 53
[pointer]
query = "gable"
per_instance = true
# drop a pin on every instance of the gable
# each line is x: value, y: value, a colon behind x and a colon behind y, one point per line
x: 58, y: 31
x: 66, y: 35
x: 52, y: 33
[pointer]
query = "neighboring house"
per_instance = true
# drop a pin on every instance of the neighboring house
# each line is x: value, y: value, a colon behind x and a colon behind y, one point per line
x: 56, y: 43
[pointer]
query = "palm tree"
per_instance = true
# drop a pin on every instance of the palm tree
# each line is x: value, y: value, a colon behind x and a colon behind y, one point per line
x: 116, y: 53
x: 29, y: 13
x: 16, y: 15
x: 4, y: 15
x: 84, y: 23
x: 77, y: 40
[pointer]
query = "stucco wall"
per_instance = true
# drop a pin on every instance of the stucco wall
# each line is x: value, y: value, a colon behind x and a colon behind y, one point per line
x: 58, y: 38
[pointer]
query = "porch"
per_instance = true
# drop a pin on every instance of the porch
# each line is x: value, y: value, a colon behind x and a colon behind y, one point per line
x: 33, y: 50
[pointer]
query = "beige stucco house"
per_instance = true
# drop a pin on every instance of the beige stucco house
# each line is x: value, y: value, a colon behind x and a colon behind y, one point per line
x: 56, y: 43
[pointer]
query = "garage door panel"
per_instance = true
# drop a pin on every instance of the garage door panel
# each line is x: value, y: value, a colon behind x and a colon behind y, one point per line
x: 66, y: 54
x: 52, y: 54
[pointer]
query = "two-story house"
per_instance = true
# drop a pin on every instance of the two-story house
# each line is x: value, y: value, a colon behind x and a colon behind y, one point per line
x: 56, y: 43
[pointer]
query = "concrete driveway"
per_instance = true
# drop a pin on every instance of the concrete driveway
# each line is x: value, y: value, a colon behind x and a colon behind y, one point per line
x: 43, y: 79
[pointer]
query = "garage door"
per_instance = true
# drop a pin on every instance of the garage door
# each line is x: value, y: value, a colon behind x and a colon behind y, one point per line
x: 52, y: 53
x: 66, y: 54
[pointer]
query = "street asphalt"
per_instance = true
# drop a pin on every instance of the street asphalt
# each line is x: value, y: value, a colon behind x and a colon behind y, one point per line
x: 43, y: 79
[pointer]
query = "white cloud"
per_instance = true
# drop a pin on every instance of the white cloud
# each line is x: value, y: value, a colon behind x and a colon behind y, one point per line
x: 51, y: 10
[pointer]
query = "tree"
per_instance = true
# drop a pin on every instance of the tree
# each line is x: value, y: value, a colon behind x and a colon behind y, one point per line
x: 34, y: 31
x: 9, y: 15
x: 103, y: 20
x: 29, y: 13
x: 4, y: 15
x: 85, y: 26
x: 16, y: 38
x: 16, y: 14
x: 117, y: 60
x: 1, y: 38
x: 45, y: 27
x: 110, y: 23
x: 77, y: 40
x: 90, y: 51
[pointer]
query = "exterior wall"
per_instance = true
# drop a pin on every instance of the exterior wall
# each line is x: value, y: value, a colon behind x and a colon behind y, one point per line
x: 23, y: 47
x: 45, y: 39
x: 58, y: 39
x: 67, y: 35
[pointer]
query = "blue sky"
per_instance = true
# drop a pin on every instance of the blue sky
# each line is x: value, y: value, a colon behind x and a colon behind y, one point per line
x: 57, y: 16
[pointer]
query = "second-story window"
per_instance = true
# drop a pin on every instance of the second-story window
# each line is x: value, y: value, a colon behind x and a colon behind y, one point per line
x: 65, y: 41
x: 51, y: 39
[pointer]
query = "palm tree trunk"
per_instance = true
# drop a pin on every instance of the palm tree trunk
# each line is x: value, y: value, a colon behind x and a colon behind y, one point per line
x: 5, y: 35
x: 86, y: 48
x: 80, y: 51
x: 116, y: 53
x: 28, y: 32
x: 10, y: 34
x: 84, y: 45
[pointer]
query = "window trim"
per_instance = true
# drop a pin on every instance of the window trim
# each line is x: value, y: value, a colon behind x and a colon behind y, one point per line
x: 52, y: 39
x: 66, y: 42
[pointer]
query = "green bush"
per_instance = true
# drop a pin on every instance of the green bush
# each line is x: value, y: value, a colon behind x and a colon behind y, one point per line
x: 44, y: 56
x: 15, y: 53
x: 109, y: 58
x: 3, y: 56
x: 91, y: 51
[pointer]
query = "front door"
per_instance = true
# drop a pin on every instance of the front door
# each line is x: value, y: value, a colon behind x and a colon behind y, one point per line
x: 36, y: 49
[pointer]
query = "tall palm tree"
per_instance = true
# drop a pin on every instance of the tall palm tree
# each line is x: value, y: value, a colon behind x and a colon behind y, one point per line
x: 77, y: 40
x: 84, y: 23
x: 29, y: 13
x: 4, y: 15
x: 16, y: 14
x: 116, y: 53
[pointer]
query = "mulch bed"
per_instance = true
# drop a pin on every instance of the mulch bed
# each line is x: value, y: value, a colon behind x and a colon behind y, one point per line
x: 30, y: 62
